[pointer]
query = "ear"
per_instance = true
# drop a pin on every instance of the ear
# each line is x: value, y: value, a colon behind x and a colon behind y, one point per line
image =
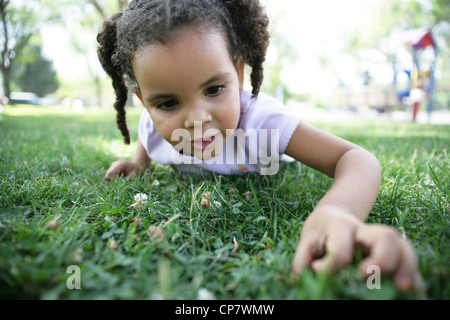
x: 240, y: 63
x: 140, y: 97
x: 138, y: 94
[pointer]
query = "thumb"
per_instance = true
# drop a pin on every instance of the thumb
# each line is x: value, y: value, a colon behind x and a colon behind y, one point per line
x: 339, y: 252
x: 303, y: 256
x: 131, y: 175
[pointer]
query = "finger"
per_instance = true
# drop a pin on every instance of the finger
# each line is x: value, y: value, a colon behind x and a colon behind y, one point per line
x: 130, y: 175
x: 117, y: 169
x: 419, y: 287
x: 407, y: 275
x: 339, y: 252
x: 384, y: 252
x: 112, y: 171
x: 303, y: 256
x: 113, y: 174
x: 110, y: 174
x: 393, y: 255
x: 326, y: 264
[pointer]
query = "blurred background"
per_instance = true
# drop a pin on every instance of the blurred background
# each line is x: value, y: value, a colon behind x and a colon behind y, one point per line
x: 348, y: 58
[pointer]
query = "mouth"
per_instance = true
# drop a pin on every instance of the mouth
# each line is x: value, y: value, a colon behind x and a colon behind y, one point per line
x: 203, y: 143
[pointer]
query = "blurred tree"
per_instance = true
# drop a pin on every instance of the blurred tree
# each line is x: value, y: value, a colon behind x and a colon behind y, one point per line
x: 18, y: 26
x: 104, y: 10
x: 20, y: 21
x: 31, y: 65
x: 103, y: 6
x: 441, y: 10
x: 86, y: 17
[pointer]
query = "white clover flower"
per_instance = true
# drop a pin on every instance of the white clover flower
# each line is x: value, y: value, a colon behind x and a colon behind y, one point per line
x: 155, y: 183
x: 112, y: 244
x: 217, y: 204
x: 140, y: 199
x: 204, y: 294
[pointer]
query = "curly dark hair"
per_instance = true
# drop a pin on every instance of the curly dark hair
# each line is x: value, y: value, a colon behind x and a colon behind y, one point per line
x: 243, y: 23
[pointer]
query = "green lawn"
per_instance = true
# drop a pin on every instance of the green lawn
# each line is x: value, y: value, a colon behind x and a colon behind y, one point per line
x: 52, y: 164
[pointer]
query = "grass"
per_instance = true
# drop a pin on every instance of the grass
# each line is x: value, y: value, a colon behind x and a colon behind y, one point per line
x: 52, y: 164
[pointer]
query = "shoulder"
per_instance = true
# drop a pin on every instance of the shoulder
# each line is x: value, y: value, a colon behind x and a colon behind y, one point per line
x: 262, y: 100
x: 265, y: 112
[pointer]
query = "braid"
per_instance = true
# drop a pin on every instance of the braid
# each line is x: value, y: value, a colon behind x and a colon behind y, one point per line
x: 107, y: 40
x: 251, y: 27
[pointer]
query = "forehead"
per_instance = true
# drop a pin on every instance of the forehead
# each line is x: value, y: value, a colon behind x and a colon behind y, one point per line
x: 190, y: 51
x: 191, y: 36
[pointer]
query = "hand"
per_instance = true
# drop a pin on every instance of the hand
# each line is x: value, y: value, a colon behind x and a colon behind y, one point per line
x: 330, y: 236
x: 124, y: 168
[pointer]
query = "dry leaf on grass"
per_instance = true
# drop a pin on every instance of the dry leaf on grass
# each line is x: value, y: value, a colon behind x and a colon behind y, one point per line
x: 235, y: 245
x: 52, y: 224
x: 206, y: 199
x: 137, y: 221
x: 157, y: 233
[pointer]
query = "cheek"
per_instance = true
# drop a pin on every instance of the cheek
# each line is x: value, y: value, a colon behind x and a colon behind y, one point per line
x: 232, y: 113
x: 165, y: 125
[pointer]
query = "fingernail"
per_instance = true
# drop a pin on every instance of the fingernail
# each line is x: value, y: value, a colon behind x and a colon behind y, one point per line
x: 296, y: 270
x: 404, y: 283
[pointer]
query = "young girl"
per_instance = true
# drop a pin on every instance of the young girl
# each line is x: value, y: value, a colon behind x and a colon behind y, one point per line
x: 185, y: 61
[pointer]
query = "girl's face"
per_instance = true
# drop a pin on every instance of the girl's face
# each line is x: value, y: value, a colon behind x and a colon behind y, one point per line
x: 190, y: 87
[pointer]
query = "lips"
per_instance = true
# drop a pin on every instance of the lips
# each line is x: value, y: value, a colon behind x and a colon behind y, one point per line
x: 203, y: 144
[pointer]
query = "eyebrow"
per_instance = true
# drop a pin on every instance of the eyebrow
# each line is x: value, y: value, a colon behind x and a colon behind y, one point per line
x: 214, y: 78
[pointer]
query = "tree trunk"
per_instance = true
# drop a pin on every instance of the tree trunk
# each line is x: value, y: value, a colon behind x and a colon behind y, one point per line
x: 6, y: 73
x: 6, y: 63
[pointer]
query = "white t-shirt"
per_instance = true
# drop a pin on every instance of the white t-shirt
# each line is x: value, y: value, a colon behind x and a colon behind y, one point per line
x: 258, y: 144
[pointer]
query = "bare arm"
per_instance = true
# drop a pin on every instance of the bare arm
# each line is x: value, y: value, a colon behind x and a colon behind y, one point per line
x: 140, y: 163
x: 356, y: 172
x: 141, y: 155
x: 336, y: 226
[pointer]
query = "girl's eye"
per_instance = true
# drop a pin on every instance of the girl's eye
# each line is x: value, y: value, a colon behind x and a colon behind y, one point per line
x: 215, y: 90
x: 167, y: 105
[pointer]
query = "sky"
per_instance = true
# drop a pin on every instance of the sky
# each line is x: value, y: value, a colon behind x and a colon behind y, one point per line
x: 312, y: 27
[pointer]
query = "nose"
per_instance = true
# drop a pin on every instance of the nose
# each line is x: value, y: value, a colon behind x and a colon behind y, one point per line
x: 197, y: 113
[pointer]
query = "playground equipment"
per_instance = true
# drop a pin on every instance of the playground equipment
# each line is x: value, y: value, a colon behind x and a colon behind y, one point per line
x: 421, y: 77
x: 413, y: 77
